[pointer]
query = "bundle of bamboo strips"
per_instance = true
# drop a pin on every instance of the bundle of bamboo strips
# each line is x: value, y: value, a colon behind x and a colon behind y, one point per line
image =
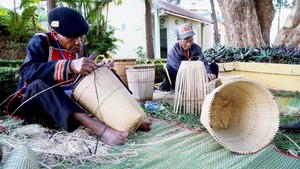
x: 191, y: 87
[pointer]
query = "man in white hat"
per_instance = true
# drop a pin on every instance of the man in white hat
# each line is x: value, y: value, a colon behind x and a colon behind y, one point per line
x: 185, y: 49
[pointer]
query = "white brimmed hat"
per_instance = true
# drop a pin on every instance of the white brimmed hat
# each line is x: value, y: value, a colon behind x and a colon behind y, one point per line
x: 185, y: 30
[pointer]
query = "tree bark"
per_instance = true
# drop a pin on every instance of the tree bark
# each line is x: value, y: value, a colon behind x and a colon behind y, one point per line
x: 248, y: 22
x: 148, y: 24
x: 266, y: 13
x: 290, y: 32
x: 50, y: 5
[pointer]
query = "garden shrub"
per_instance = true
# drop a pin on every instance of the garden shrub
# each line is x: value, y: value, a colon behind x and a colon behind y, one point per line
x: 9, y: 77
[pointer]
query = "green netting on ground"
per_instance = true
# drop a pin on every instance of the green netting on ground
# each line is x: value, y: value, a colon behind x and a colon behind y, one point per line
x: 169, y: 146
x: 288, y: 105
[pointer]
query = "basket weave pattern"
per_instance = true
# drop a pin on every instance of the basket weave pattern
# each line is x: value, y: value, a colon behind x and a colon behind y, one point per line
x: 120, y: 67
x: 110, y: 101
x: 247, y: 116
x: 141, y: 81
x: 22, y: 157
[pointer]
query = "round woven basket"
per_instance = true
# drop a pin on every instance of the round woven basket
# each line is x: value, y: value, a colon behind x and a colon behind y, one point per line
x: 120, y: 67
x: 242, y: 115
x: 102, y: 94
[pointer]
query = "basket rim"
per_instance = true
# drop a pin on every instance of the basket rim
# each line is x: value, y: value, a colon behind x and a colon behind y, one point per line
x: 213, y: 95
x: 140, y: 66
x: 124, y: 59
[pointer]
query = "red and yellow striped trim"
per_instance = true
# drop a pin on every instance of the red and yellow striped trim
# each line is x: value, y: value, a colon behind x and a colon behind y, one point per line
x: 61, y: 70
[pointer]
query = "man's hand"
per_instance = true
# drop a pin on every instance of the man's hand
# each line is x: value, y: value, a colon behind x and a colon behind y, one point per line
x: 107, y: 63
x: 211, y: 76
x: 82, y: 66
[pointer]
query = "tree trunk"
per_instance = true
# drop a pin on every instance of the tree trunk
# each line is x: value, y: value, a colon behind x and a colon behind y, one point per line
x: 290, y: 32
x: 248, y: 22
x: 15, y: 14
x: 215, y: 22
x: 148, y: 24
x: 50, y: 5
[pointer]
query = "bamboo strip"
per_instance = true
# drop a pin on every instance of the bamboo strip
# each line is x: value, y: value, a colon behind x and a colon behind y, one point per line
x: 191, y: 87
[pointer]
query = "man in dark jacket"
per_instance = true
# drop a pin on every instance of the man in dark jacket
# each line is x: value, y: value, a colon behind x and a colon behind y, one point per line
x: 57, y: 56
x: 185, y: 49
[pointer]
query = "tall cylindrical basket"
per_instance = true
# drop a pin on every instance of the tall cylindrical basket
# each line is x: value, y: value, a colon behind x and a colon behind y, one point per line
x: 141, y: 81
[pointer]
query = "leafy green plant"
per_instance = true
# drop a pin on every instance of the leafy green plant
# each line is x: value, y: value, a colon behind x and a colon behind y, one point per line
x: 287, y: 55
x: 8, y: 81
x: 269, y: 54
x: 215, y: 52
x: 264, y: 55
x: 141, y: 54
x: 21, y: 26
x: 10, y: 63
x: 100, y: 39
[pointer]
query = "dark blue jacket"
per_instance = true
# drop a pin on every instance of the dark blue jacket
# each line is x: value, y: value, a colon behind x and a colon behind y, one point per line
x: 176, y: 55
x: 44, y: 61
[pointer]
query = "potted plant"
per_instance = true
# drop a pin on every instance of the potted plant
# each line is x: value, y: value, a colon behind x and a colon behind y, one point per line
x: 277, y: 68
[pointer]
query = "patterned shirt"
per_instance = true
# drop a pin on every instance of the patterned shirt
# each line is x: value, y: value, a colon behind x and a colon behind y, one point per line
x: 45, y: 61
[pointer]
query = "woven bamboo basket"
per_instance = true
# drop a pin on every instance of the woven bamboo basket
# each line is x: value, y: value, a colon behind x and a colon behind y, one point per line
x: 141, y: 81
x: 103, y: 95
x: 22, y: 157
x: 226, y: 78
x: 242, y: 115
x: 191, y: 87
x: 120, y: 67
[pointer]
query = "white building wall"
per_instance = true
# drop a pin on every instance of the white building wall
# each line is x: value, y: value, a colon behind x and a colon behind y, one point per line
x: 129, y: 27
x: 200, y: 7
x: 208, y: 37
x: 128, y: 20
x: 172, y: 25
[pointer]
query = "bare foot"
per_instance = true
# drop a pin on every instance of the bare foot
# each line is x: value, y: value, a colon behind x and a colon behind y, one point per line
x: 114, y: 137
x: 110, y: 136
x: 146, y: 125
